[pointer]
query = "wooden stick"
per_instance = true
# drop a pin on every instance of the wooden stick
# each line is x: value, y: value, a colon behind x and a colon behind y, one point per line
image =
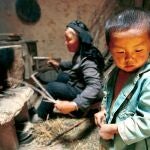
x: 34, y: 88
x: 41, y: 58
x: 40, y: 85
x: 66, y: 131
x: 10, y: 46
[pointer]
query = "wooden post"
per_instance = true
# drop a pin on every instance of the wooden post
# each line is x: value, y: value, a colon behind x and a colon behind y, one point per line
x: 8, y: 137
x: 23, y: 116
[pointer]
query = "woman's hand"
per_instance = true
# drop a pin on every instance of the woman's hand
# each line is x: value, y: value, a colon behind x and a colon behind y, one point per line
x: 65, y: 107
x: 53, y: 62
x: 107, y: 131
x: 100, y: 118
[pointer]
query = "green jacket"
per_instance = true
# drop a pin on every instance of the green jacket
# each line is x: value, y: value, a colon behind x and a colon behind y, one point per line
x: 131, y: 111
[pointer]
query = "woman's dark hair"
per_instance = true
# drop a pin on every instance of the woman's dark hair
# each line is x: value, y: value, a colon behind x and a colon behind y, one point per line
x: 127, y: 19
x: 95, y: 55
x: 91, y: 53
x: 82, y: 31
x: 86, y: 47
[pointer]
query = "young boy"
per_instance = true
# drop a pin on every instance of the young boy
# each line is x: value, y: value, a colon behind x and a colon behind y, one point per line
x: 124, y: 119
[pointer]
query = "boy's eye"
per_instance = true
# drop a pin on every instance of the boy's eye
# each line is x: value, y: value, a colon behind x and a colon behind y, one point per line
x: 138, y: 50
x: 120, y: 52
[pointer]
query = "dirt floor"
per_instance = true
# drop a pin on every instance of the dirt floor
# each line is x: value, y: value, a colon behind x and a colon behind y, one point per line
x: 78, y: 134
x: 34, y: 146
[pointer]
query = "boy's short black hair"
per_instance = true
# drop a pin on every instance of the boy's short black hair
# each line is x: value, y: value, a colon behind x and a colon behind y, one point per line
x: 125, y: 20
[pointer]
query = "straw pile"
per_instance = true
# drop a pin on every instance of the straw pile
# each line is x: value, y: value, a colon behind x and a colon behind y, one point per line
x: 83, y: 137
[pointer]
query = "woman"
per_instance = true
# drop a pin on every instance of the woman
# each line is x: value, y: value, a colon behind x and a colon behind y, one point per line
x: 82, y: 87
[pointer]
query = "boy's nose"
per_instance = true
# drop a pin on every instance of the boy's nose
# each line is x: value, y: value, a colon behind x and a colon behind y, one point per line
x: 128, y: 57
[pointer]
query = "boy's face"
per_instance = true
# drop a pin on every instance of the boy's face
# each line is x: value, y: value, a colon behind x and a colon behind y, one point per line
x: 130, y: 49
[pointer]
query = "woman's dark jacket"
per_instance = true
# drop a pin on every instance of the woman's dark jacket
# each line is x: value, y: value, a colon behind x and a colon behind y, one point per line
x: 86, y: 75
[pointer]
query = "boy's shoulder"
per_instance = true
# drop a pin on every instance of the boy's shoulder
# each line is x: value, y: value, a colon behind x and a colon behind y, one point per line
x: 144, y: 71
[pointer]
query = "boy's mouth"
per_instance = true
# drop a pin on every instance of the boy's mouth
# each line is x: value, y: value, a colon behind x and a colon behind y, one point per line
x: 129, y: 66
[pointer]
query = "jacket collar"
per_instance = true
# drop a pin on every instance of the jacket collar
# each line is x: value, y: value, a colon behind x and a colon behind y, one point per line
x: 126, y: 91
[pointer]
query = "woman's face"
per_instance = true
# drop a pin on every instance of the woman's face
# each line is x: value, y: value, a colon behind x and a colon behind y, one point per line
x: 71, y: 40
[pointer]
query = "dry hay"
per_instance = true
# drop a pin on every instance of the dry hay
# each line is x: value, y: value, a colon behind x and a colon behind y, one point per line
x: 83, y: 137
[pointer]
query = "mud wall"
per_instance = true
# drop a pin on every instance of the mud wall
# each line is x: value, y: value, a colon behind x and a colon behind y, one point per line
x: 55, y: 14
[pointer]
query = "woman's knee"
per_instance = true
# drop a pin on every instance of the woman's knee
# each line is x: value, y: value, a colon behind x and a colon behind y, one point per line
x: 52, y: 86
x: 53, y: 89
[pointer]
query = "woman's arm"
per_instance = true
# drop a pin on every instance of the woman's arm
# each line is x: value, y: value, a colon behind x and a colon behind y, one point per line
x: 93, y: 83
x: 65, y: 65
